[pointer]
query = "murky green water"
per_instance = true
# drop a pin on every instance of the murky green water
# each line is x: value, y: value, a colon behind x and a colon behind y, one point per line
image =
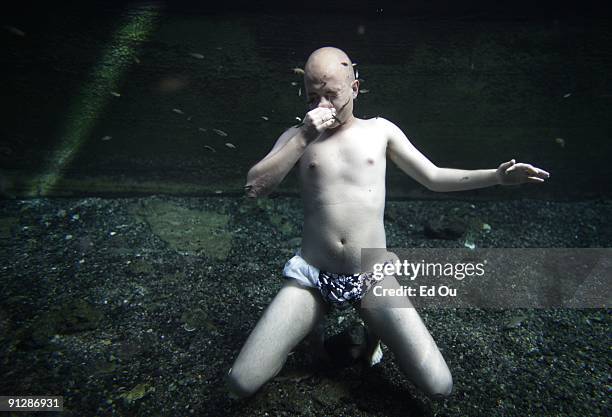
x: 469, y: 92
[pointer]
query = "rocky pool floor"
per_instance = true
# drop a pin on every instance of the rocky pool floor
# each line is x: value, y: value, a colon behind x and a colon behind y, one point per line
x: 138, y: 306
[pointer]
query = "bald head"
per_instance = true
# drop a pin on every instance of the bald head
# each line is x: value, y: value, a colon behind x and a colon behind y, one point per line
x: 329, y: 61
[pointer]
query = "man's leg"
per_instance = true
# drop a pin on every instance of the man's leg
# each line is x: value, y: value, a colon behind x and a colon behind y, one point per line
x: 291, y: 315
x: 399, y: 326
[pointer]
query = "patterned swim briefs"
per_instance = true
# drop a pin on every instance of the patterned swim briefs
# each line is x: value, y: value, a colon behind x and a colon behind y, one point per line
x: 338, y: 290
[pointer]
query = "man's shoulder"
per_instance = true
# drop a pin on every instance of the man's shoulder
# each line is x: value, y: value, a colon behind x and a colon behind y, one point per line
x: 383, y: 126
x: 378, y: 122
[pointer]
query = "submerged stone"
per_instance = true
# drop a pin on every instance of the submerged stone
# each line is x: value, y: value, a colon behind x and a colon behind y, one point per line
x: 193, y: 232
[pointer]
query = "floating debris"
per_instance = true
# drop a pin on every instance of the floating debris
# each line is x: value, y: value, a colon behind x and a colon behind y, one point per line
x: 230, y: 145
x: 196, y: 55
x: 210, y: 148
x: 486, y: 227
x: 364, y: 91
x: 15, y: 31
x: 298, y: 71
x: 293, y: 83
x: 265, y: 118
x: 201, y: 129
x: 560, y: 141
x: 357, y: 74
x: 354, y: 63
x: 178, y: 111
x: 136, y: 60
x: 469, y: 241
x: 189, y: 118
x: 116, y: 94
x: 300, y: 92
x: 567, y: 95
x: 218, y: 192
x: 107, y: 138
x: 220, y: 132
x: 299, y: 119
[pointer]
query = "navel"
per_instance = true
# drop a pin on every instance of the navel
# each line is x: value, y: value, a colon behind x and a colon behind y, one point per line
x: 370, y: 161
x: 312, y: 165
x: 343, y: 241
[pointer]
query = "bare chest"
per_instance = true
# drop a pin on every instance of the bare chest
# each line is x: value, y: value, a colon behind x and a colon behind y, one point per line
x: 357, y: 154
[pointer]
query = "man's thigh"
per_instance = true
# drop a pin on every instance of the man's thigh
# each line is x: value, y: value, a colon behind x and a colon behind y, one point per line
x: 291, y: 315
x: 398, y: 324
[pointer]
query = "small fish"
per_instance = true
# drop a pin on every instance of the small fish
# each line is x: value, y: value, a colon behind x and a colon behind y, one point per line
x: 300, y: 92
x: 294, y: 376
x: 107, y: 138
x: 560, y: 141
x: 293, y: 83
x: 136, y: 60
x: 298, y: 71
x: 364, y: 91
x: 116, y: 94
x: 567, y: 95
x: 265, y: 117
x: 178, y: 111
x: 210, y: 148
x: 201, y: 129
x: 15, y: 31
x: 218, y: 192
x: 196, y: 55
x: 230, y: 145
x: 220, y: 132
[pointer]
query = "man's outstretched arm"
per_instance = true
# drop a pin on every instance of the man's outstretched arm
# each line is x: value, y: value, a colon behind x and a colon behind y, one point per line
x: 415, y: 164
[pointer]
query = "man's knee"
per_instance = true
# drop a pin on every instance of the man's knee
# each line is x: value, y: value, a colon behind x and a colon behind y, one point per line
x: 441, y: 387
x: 237, y: 385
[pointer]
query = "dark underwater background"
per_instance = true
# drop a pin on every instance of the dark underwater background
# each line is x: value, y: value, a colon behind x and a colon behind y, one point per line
x: 133, y: 268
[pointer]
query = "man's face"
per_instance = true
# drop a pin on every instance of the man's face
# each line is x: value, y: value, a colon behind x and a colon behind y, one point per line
x: 331, y: 88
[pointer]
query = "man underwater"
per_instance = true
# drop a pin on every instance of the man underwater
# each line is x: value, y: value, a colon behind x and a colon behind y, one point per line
x: 341, y: 162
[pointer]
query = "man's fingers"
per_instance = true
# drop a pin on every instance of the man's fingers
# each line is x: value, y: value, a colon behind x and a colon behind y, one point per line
x: 542, y: 173
x: 329, y: 122
x: 534, y: 179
